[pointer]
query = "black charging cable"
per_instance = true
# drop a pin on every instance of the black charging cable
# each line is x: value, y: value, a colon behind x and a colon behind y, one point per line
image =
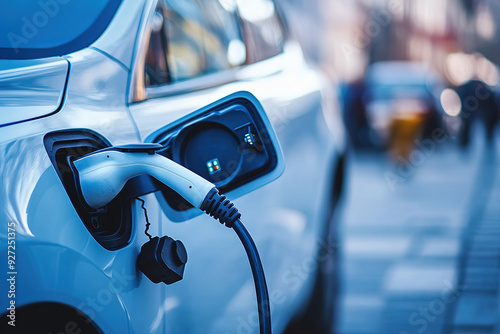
x: 258, y: 276
x: 221, y: 209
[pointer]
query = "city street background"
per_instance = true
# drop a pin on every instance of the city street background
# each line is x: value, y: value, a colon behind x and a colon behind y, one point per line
x: 423, y: 257
x: 420, y: 231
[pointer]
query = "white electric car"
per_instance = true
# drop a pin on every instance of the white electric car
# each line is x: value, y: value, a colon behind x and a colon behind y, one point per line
x: 77, y: 76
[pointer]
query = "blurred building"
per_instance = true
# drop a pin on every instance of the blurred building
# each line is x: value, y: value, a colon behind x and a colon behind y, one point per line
x: 434, y: 32
x: 485, y: 33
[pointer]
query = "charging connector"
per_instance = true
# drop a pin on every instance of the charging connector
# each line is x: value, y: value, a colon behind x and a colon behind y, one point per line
x: 103, y: 174
x: 220, y: 208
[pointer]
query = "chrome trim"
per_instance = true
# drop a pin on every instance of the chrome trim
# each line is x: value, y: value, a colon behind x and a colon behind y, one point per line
x: 137, y: 91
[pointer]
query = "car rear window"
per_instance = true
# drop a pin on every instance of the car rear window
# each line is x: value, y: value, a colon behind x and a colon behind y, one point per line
x: 45, y: 28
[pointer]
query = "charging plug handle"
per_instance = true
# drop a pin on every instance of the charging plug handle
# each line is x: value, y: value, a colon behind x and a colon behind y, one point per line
x: 103, y: 174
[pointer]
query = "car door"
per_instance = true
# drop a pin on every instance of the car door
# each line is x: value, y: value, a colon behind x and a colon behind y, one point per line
x: 195, y: 52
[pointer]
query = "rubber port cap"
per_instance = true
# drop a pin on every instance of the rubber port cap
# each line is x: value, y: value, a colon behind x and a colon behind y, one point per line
x: 162, y: 260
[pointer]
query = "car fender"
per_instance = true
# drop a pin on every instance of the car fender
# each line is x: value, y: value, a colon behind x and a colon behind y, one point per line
x: 49, y: 272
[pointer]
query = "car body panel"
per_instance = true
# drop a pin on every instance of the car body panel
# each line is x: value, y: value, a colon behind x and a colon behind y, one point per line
x: 46, y: 222
x: 31, y: 88
x: 119, y: 39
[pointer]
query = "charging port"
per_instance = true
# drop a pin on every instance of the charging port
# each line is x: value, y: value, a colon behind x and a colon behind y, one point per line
x: 111, y: 226
x: 228, y: 143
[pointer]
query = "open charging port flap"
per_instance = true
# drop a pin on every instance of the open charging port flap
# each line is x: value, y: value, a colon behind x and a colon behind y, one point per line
x: 230, y: 142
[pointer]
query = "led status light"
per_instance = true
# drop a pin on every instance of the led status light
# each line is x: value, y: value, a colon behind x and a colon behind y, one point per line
x: 213, y: 166
x: 249, y: 137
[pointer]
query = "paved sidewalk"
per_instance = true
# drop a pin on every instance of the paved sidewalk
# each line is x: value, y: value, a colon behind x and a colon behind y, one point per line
x: 420, y: 248
x: 476, y: 311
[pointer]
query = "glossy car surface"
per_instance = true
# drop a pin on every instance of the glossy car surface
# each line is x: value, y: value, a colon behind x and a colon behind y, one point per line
x: 117, y: 88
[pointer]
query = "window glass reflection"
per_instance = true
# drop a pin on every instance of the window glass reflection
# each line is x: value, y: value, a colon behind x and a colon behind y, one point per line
x: 201, y: 37
x: 191, y: 38
x: 262, y: 29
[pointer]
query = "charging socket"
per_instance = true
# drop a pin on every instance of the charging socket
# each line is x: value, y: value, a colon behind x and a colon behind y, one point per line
x: 230, y: 142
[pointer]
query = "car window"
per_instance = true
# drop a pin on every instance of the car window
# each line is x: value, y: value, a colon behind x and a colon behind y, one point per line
x: 192, y: 38
x: 37, y: 29
x: 262, y: 28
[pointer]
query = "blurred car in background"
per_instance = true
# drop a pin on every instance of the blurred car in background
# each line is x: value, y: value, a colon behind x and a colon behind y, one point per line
x: 97, y: 72
x: 400, y: 102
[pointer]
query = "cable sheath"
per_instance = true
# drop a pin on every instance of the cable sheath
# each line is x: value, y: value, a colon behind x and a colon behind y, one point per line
x: 258, y: 277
